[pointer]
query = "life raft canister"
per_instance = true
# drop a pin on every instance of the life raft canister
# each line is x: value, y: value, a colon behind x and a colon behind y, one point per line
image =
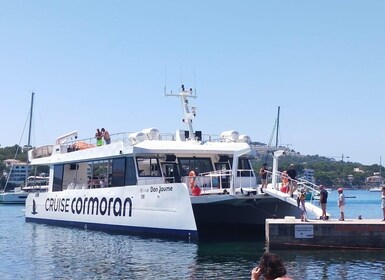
x: 195, y: 190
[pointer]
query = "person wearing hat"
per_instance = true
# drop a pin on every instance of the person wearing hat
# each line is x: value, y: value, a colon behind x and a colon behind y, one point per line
x: 263, y: 174
x: 341, y: 203
x: 323, y: 199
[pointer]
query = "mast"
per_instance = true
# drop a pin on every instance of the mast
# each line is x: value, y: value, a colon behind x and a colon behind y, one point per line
x: 30, y: 122
x: 25, y: 147
x: 188, y: 111
x: 276, y: 132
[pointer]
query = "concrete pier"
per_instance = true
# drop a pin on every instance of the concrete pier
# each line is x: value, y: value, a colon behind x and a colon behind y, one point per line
x: 348, y: 234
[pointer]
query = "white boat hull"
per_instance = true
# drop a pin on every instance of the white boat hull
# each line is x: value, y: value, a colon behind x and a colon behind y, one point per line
x: 13, y: 197
x: 154, y: 209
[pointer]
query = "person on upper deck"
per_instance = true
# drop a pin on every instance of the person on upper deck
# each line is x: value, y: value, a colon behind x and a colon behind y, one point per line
x: 99, y: 137
x: 106, y: 136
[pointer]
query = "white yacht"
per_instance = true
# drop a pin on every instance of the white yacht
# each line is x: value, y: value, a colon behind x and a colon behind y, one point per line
x: 185, y: 185
x: 19, y: 194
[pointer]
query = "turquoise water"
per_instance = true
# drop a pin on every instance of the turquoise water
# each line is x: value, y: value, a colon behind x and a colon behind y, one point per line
x: 34, y: 251
x: 364, y: 203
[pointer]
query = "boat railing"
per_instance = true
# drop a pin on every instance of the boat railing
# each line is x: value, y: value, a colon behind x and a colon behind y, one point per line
x: 210, y: 182
x: 127, y: 139
x: 246, y: 178
x: 219, y: 180
x: 301, y: 184
x: 70, y: 144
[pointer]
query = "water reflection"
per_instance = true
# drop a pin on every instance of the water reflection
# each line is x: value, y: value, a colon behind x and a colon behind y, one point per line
x: 89, y: 255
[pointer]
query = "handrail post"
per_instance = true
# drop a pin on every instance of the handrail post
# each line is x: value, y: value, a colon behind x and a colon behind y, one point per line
x: 276, y: 155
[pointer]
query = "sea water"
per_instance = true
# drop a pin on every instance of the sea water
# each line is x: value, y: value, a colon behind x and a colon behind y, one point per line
x: 35, y: 251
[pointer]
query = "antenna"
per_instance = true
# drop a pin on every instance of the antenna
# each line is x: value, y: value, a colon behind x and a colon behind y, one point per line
x: 188, y: 111
x: 165, y: 79
x: 181, y: 74
x: 195, y: 91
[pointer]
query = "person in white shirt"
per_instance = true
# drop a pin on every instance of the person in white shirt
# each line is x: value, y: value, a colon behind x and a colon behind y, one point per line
x: 341, y: 203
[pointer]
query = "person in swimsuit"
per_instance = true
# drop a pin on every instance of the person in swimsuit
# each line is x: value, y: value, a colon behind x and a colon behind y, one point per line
x: 106, y: 136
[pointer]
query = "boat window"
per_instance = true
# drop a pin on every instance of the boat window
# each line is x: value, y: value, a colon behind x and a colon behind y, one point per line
x: 244, y: 167
x: 58, y: 178
x: 37, y: 181
x: 199, y: 165
x: 170, y: 172
x: 130, y: 172
x: 148, y: 167
x: 222, y: 166
x: 100, y: 174
x: 118, y: 166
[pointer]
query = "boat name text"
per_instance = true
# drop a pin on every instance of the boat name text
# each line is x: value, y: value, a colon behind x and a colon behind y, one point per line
x: 161, y: 189
x: 91, y: 206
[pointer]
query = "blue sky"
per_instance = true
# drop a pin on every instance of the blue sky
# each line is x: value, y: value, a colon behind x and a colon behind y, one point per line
x: 105, y: 64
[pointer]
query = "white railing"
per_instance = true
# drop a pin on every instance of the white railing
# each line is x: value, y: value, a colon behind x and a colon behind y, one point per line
x: 299, y: 184
x: 220, y: 180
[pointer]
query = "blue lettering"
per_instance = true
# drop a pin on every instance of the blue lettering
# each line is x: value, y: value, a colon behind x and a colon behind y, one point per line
x: 91, y: 206
x: 103, y: 206
x: 67, y: 204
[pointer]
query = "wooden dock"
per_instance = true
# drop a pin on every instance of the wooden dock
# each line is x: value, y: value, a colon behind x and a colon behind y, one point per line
x: 348, y: 234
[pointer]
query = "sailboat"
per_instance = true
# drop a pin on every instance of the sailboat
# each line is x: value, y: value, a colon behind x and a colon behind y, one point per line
x: 32, y: 184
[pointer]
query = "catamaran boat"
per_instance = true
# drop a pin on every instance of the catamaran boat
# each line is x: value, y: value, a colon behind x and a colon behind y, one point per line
x: 184, y: 185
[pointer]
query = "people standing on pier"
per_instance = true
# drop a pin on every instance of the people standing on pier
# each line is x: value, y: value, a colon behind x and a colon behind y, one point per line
x: 106, y: 136
x: 302, y: 198
x: 99, y: 137
x: 263, y: 174
x: 341, y: 204
x: 271, y: 267
x: 323, y: 201
x: 292, y: 173
x: 383, y: 203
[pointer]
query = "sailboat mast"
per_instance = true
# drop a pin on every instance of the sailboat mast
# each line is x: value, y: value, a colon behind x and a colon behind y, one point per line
x: 30, y: 121
x: 276, y: 132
